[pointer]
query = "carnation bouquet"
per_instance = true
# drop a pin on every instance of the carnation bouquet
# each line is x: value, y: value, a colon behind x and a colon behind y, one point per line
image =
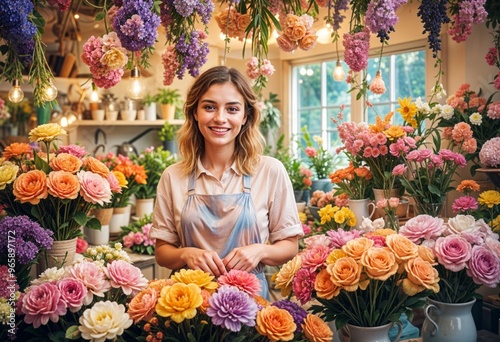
x: 136, y: 236
x: 467, y: 253
x: 364, y: 279
x: 193, y: 306
x: 56, y: 187
x: 71, y: 302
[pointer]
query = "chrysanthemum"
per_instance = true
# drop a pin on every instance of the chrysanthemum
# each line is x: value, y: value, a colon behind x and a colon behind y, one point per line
x: 246, y: 282
x: 489, y: 198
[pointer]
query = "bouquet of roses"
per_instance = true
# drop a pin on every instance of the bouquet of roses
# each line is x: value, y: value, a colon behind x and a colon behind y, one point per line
x: 467, y: 252
x: 365, y: 279
x: 191, y: 306
x: 70, y: 302
x: 56, y: 187
x: 136, y: 236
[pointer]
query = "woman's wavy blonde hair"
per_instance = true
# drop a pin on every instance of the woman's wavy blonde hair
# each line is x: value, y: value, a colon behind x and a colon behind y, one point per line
x: 249, y: 142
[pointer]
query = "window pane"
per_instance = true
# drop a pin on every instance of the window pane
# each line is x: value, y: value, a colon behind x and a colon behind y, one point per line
x: 312, y: 119
x: 410, y: 71
x: 336, y: 92
x: 309, y: 85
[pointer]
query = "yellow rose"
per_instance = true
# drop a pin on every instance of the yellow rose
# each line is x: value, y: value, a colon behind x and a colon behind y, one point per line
x: 316, y: 330
x: 334, y: 256
x: 379, y: 263
x: 179, y: 301
x: 275, y: 323
x: 402, y: 247
x: 284, y: 278
x: 120, y: 177
x: 421, y: 276
x: 324, y: 287
x: 198, y: 277
x: 46, y: 133
x: 8, y: 173
x: 355, y: 248
x: 114, y: 58
x: 345, y: 273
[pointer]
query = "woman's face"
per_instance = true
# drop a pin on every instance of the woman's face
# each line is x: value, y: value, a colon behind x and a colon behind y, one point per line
x: 220, y: 115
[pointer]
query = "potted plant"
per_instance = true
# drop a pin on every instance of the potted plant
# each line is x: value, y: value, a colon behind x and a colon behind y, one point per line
x: 149, y: 103
x: 167, y: 136
x: 168, y: 99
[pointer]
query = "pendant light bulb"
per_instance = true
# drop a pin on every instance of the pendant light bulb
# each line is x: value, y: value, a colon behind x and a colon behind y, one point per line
x: 94, y: 96
x: 49, y: 92
x: 135, y: 88
x: 16, y: 94
x: 338, y: 72
x: 325, y: 34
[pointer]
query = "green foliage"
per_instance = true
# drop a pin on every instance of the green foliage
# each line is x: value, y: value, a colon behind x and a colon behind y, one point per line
x: 149, y: 99
x: 167, y: 132
x: 321, y: 162
x: 271, y: 115
x: 168, y: 96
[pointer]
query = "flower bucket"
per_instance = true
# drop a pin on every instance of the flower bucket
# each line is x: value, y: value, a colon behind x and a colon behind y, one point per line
x: 144, y: 206
x: 61, y: 254
x: 150, y: 111
x: 99, y: 237
x: 121, y: 217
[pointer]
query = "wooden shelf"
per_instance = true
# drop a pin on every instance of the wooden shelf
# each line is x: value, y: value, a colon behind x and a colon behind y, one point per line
x: 156, y: 123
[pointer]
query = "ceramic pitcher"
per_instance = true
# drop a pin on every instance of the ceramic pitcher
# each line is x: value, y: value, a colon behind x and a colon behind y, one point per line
x: 361, y: 208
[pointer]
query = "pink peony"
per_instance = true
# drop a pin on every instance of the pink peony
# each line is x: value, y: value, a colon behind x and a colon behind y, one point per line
x: 317, y: 240
x: 489, y: 156
x: 73, y: 292
x: 303, y: 284
x: 128, y: 240
x: 315, y: 257
x: 94, y: 188
x: 126, y: 276
x: 422, y: 227
x: 41, y: 303
x: 340, y: 237
x: 453, y: 252
x: 484, y: 267
x: 246, y: 282
x: 138, y: 238
x: 93, y: 277
x: 464, y: 204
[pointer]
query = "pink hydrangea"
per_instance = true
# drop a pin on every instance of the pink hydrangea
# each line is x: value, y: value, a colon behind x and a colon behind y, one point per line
x: 489, y: 156
x: 491, y: 56
x: 422, y: 227
x: 356, y: 50
x: 246, y: 282
x: 494, y: 110
x: 170, y: 65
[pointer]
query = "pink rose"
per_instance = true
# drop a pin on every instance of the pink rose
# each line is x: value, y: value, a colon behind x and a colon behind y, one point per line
x: 484, y: 267
x: 399, y: 170
x: 138, y: 238
x: 94, y: 188
x: 393, y: 202
x: 93, y: 278
x: 453, y: 252
x: 41, y: 303
x: 315, y: 257
x: 128, y: 240
x: 81, y: 245
x: 73, y: 292
x: 125, y: 276
x: 423, y: 227
x: 317, y: 240
x: 286, y: 44
x: 310, y: 152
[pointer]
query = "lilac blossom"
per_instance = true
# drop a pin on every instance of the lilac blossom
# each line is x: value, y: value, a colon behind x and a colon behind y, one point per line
x: 381, y: 17
x: 298, y: 313
x: 470, y: 12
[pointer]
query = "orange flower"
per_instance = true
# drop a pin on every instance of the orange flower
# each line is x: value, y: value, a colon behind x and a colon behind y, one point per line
x: 97, y: 166
x: 324, y: 287
x: 355, y: 248
x: 427, y: 254
x: 363, y: 172
x: 120, y: 177
x: 275, y: 323
x: 380, y: 263
x: 284, y: 278
x: 142, y: 306
x: 16, y: 150
x: 345, y: 273
x: 403, y: 248
x: 421, y: 276
x: 66, y: 162
x: 31, y: 187
x: 159, y: 284
x: 63, y: 184
x: 316, y: 330
x: 468, y: 185
x: 140, y: 176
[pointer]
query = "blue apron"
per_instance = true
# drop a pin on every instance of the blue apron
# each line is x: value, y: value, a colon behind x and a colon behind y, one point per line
x: 221, y: 223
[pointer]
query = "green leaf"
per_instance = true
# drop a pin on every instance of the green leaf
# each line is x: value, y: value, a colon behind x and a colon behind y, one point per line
x: 93, y: 223
x: 81, y: 218
x: 72, y: 333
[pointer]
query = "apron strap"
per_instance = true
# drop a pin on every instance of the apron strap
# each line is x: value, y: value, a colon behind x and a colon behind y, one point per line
x: 246, y: 183
x: 191, y: 183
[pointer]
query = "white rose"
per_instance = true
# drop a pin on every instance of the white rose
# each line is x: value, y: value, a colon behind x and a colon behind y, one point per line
x: 462, y: 224
x: 105, y: 320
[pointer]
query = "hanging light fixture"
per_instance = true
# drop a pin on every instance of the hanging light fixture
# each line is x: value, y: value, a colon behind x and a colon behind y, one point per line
x: 338, y: 72
x: 135, y: 88
x: 325, y: 34
x: 49, y: 93
x: 16, y: 94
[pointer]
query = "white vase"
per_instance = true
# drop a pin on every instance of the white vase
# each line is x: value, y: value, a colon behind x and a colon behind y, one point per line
x: 150, y: 111
x: 373, y: 334
x: 120, y: 218
x: 144, y: 206
x: 362, y: 208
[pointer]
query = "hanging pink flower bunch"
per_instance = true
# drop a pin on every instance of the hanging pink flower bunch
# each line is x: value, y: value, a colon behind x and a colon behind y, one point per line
x: 356, y: 49
x: 297, y: 32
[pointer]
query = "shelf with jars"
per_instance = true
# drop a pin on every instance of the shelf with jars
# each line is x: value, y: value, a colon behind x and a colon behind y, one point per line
x: 150, y: 123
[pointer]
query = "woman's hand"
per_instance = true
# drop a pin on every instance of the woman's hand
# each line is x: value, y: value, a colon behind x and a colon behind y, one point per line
x: 244, y: 258
x: 207, y: 261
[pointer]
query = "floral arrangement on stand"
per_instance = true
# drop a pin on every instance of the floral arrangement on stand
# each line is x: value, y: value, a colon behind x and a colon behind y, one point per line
x: 360, y: 278
x: 69, y: 302
x: 320, y: 159
x: 191, y: 305
x: 136, y: 236
x: 55, y: 187
x: 467, y: 253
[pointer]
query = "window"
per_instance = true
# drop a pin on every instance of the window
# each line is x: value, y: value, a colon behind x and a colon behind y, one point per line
x: 317, y: 98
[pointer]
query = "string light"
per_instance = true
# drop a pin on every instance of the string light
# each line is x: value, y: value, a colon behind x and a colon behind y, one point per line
x: 338, y: 72
x: 16, y: 94
x: 135, y: 88
x: 49, y: 93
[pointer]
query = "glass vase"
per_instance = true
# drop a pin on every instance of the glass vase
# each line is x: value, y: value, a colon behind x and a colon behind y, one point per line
x: 432, y: 209
x: 392, y: 222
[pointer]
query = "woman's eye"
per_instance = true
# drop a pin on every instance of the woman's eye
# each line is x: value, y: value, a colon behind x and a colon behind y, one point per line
x: 233, y: 109
x: 208, y: 108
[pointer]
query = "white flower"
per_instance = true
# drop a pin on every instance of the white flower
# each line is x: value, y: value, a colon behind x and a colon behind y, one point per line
x: 50, y: 274
x: 462, y: 224
x: 105, y: 320
x: 368, y: 225
x: 476, y: 119
x: 422, y: 107
x: 438, y: 90
x: 447, y: 111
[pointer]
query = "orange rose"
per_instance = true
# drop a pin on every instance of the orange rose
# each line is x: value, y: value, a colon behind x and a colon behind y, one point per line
x: 31, y: 187
x: 275, y: 323
x: 316, y: 330
x: 324, y: 287
x: 402, y: 247
x: 379, y: 263
x: 308, y: 41
x: 345, y: 273
x: 142, y: 306
x: 96, y: 166
x: 421, y: 276
x: 427, y: 255
x: 296, y: 32
x: 205, y: 294
x: 15, y: 150
x: 284, y: 278
x: 242, y: 21
x: 66, y: 162
x: 355, y: 248
x: 63, y: 184
x: 363, y: 172
x: 159, y: 284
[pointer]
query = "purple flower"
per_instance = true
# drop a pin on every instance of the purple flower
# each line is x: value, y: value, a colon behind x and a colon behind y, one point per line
x: 28, y: 237
x: 484, y: 267
x: 298, y: 313
x: 230, y: 308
